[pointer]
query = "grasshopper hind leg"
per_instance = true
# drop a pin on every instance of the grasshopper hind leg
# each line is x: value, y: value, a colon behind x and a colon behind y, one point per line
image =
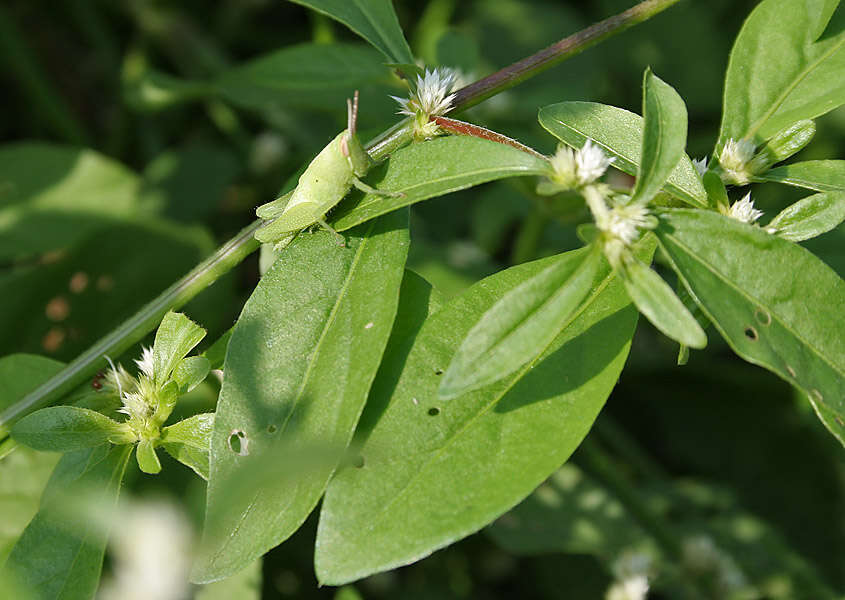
x: 341, y: 240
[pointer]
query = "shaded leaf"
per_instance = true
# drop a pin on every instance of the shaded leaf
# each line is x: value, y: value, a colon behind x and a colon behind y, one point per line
x: 418, y: 486
x: 775, y: 303
x: 434, y: 168
x: 22, y: 373
x: 300, y: 363
x: 619, y: 133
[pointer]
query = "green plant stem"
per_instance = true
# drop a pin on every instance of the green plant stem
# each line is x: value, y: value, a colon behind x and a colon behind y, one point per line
x: 243, y: 244
x: 560, y: 51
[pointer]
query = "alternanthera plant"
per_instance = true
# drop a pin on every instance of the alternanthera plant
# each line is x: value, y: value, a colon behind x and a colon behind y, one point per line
x: 411, y: 419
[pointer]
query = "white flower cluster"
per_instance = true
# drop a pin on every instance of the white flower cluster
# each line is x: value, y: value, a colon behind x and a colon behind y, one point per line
x: 631, y: 572
x: 734, y: 160
x: 138, y: 396
x: 432, y: 96
x: 625, y: 221
x: 743, y: 210
x: 576, y: 168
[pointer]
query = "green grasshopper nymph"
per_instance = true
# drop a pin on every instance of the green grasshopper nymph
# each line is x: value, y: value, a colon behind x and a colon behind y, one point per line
x: 325, y: 182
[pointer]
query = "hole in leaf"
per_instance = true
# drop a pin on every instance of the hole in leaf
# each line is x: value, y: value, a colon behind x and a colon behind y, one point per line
x: 763, y: 317
x: 751, y: 334
x: 358, y: 463
x: 238, y: 442
x: 438, y: 371
x: 271, y: 428
x: 433, y: 411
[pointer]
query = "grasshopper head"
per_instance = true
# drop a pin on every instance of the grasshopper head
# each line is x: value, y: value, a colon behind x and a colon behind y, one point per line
x: 351, y: 146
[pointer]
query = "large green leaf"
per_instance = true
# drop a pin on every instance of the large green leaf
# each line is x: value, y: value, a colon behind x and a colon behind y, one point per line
x: 373, y: 20
x: 429, y: 169
x: 619, y: 133
x: 298, y: 369
x: 664, y: 137
x: 528, y: 317
x: 59, y: 555
x: 780, y: 72
x: 432, y: 472
x: 775, y: 303
x: 52, y: 196
x: 306, y: 76
x: 819, y: 175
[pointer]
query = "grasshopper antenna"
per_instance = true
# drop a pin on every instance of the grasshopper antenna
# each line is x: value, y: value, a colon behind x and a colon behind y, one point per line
x: 352, y: 113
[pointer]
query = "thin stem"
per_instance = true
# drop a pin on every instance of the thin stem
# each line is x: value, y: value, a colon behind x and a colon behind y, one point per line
x: 548, y: 57
x: 243, y: 244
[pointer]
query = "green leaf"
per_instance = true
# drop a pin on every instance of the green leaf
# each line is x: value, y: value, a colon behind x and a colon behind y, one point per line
x: 418, y: 485
x: 664, y: 137
x: 216, y: 353
x: 809, y: 217
x: 373, y: 20
x: 659, y: 304
x: 620, y: 134
x: 819, y: 175
x: 60, y: 554
x: 434, y: 168
x: 244, y: 585
x: 190, y: 372
x: 189, y: 442
x: 775, y: 303
x: 527, y: 318
x: 22, y: 373
x: 63, y: 193
x: 303, y: 76
x: 176, y: 336
x: 23, y: 475
x: 300, y: 363
x: 68, y: 428
x: 778, y: 73
x: 147, y: 458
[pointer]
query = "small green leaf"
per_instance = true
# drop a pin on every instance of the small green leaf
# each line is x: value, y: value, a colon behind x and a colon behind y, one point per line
x: 664, y: 137
x: 809, y: 217
x: 780, y: 72
x: 524, y: 320
x: 176, y: 336
x: 68, y: 428
x: 418, y: 486
x: 776, y: 304
x: 190, y: 372
x: 819, y: 175
x: 783, y: 145
x: 429, y: 169
x: 147, y: 458
x: 303, y: 76
x: 60, y: 554
x: 299, y: 366
x: 373, y: 20
x: 620, y: 134
x: 656, y: 300
x: 189, y: 442
x: 717, y: 194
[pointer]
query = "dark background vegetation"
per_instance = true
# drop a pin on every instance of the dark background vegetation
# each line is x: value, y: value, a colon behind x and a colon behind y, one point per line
x: 69, y: 74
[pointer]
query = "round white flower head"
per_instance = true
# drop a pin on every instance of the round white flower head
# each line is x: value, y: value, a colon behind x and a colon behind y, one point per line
x: 433, y: 95
x: 743, y: 210
x: 631, y: 572
x: 734, y: 160
x: 145, y: 363
x: 630, y: 588
x: 575, y: 168
x: 700, y: 165
x: 625, y: 222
